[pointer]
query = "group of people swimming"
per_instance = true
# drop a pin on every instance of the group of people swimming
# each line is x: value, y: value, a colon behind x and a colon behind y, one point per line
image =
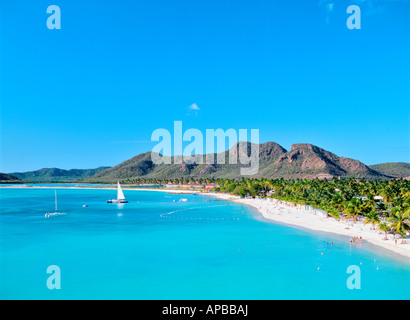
x: 356, y: 240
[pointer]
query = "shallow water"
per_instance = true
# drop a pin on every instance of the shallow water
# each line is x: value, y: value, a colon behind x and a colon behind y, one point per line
x: 158, y: 248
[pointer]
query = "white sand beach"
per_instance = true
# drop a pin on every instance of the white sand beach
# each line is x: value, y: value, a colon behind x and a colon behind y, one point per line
x: 281, y: 213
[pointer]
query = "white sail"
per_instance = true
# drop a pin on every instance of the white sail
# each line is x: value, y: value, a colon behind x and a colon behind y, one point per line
x: 55, y: 213
x: 120, y: 194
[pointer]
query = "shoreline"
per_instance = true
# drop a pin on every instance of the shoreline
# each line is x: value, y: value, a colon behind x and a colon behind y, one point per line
x: 293, y: 217
x: 100, y: 188
x: 277, y: 212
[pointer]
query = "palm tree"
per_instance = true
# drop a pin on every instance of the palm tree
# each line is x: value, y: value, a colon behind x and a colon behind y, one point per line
x: 388, y: 195
x: 372, y: 218
x: 400, y: 222
x: 337, y: 201
x: 353, y: 209
x: 383, y: 226
x: 334, y: 213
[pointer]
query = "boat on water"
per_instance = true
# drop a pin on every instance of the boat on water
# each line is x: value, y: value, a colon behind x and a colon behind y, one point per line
x: 55, y: 213
x: 120, y: 196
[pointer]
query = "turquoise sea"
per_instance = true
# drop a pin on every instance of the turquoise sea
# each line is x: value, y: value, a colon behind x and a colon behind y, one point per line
x: 157, y: 247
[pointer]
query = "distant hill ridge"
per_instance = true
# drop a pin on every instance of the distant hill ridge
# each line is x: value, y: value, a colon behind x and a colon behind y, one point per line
x: 394, y: 169
x: 57, y: 175
x: 302, y: 161
x: 4, y: 177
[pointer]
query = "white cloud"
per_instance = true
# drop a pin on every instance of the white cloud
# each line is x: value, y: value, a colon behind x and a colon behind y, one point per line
x: 194, y: 107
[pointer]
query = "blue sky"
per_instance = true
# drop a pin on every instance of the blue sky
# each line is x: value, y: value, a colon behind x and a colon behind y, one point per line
x: 93, y: 92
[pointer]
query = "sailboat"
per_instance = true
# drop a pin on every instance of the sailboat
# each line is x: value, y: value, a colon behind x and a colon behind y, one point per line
x: 120, y: 196
x: 55, y: 213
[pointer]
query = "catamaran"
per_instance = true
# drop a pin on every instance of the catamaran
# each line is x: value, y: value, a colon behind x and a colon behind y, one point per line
x: 120, y: 196
x: 55, y: 213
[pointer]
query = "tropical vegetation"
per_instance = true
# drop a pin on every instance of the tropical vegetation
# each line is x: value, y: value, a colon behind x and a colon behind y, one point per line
x: 383, y: 204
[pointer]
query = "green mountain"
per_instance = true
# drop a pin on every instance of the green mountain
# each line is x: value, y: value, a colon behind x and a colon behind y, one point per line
x: 57, y: 175
x: 302, y: 161
x: 7, y: 178
x: 142, y: 166
x: 309, y: 161
x: 394, y: 169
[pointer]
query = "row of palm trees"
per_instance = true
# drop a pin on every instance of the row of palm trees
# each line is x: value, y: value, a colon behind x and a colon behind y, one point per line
x: 382, y: 204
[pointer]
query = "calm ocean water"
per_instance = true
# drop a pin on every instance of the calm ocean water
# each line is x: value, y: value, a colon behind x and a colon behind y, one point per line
x: 156, y: 247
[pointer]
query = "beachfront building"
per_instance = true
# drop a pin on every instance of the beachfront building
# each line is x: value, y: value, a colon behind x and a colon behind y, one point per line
x: 195, y: 186
x: 172, y: 186
x: 321, y: 213
x: 210, y: 186
x: 304, y: 207
x: 192, y: 186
